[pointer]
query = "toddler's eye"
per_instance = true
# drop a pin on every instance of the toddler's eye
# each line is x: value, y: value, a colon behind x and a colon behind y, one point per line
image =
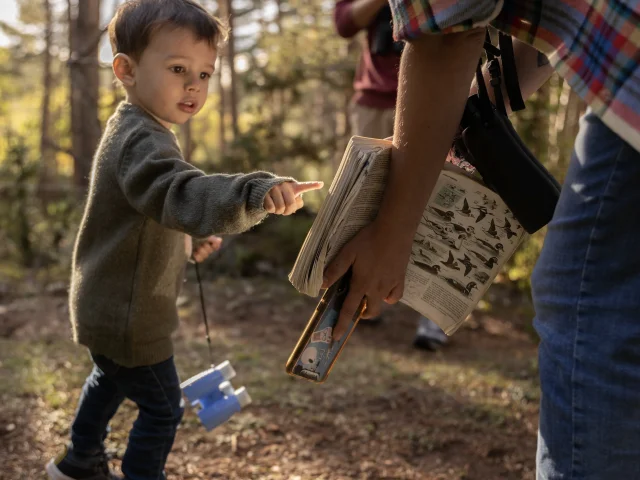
x: 177, y: 69
x: 205, y: 76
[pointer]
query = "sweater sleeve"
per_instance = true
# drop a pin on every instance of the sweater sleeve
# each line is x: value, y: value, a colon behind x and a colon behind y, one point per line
x: 343, y: 19
x: 159, y: 184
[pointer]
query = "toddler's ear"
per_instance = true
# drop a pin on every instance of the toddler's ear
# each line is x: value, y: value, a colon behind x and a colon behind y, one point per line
x: 123, y: 68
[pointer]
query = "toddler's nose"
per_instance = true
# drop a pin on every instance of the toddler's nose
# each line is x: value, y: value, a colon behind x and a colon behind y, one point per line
x: 193, y: 85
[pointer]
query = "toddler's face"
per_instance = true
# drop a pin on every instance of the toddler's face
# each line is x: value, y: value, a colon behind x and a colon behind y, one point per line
x: 172, y: 75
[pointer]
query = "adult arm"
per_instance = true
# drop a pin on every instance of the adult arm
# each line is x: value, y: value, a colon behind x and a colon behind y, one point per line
x: 379, y: 254
x: 435, y: 73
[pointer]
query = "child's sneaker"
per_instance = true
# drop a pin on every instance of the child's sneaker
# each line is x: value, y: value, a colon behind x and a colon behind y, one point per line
x: 61, y: 468
x: 429, y: 335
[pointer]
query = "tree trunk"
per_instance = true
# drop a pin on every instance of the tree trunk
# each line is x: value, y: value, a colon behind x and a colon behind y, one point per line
x: 279, y: 94
x: 226, y: 10
x: 84, y: 37
x: 542, y: 122
x: 569, y: 129
x: 565, y: 127
x: 329, y: 136
x: 556, y: 84
x: 279, y: 16
x: 48, y: 167
x: 343, y: 128
x: 221, y: 110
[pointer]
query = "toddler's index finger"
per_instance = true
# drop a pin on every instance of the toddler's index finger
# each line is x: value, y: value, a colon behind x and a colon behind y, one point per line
x: 301, y: 187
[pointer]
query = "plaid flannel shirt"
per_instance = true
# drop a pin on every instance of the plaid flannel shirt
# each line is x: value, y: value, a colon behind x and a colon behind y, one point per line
x: 593, y: 44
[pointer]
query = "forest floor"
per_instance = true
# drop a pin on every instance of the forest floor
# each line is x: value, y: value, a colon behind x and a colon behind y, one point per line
x: 388, y: 411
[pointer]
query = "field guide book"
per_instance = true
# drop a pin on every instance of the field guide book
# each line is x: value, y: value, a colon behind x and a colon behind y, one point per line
x: 464, y: 238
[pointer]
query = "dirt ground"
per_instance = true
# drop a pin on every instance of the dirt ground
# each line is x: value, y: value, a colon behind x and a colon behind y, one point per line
x: 387, y: 411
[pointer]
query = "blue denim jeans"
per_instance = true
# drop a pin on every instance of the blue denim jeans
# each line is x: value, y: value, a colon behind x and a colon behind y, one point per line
x: 155, y: 389
x: 586, y: 292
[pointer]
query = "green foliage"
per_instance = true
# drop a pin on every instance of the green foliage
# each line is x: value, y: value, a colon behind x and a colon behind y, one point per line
x: 300, y: 74
x: 258, y: 148
x: 37, y: 229
x: 15, y: 176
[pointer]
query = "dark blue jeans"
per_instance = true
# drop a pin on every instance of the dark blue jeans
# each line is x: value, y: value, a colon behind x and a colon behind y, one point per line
x: 586, y: 291
x: 155, y: 389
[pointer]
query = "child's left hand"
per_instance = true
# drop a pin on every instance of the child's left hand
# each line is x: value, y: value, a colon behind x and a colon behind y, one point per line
x: 206, y: 248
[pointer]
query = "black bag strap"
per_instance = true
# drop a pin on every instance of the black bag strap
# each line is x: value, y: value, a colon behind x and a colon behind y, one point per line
x: 493, y: 65
x: 512, y: 86
x: 510, y: 71
x: 486, y: 109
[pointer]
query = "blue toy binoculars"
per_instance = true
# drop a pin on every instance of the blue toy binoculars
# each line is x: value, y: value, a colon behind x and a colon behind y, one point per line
x: 213, y: 391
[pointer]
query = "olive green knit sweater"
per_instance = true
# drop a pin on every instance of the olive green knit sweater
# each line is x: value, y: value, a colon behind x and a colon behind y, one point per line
x: 129, y: 257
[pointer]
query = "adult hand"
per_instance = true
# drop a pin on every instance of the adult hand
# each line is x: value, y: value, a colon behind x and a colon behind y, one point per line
x: 379, y: 262
x: 380, y: 252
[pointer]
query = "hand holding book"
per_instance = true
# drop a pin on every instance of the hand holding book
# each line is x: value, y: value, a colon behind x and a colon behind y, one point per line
x: 441, y: 269
x: 378, y: 263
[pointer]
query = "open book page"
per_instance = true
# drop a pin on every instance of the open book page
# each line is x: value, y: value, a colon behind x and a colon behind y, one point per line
x: 352, y: 202
x: 465, y: 236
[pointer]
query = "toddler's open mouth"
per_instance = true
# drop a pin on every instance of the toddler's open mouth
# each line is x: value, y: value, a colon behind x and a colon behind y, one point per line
x: 188, y: 106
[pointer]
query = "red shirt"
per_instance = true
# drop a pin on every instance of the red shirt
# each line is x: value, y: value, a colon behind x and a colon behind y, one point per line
x: 376, y: 81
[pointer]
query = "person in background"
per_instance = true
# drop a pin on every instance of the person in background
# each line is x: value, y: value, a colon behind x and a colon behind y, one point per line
x: 374, y: 101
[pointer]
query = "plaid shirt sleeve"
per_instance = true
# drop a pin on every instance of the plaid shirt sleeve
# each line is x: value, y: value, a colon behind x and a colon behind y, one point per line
x: 415, y: 17
x: 593, y: 44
